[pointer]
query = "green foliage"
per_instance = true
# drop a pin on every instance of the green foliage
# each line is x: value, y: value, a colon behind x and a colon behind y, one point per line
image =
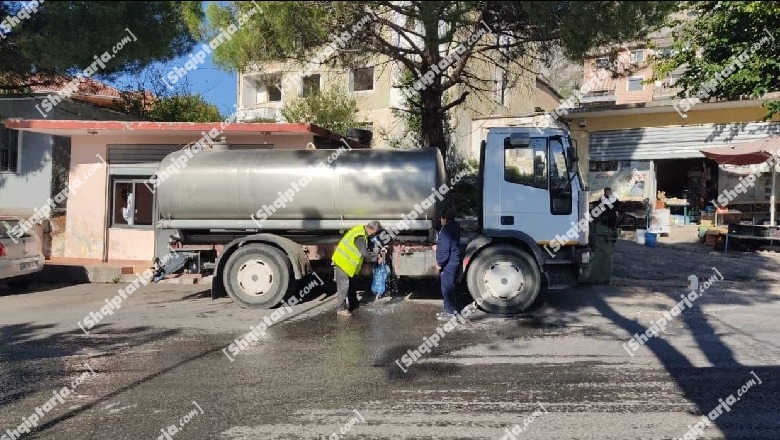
x: 463, y: 196
x: 410, y: 114
x: 173, y: 108
x: 718, y: 34
x: 333, y: 109
x: 61, y: 38
x: 184, y: 108
x: 148, y: 98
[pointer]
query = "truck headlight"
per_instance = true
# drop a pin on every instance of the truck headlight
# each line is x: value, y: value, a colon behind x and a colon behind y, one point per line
x: 585, y: 257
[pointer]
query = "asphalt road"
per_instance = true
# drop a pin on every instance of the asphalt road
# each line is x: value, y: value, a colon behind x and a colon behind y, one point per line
x: 163, y: 359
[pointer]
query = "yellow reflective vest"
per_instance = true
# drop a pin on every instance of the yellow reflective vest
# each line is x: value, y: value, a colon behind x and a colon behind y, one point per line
x: 347, y: 256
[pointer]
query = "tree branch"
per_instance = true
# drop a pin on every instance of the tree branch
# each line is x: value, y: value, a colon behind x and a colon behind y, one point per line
x: 461, y: 99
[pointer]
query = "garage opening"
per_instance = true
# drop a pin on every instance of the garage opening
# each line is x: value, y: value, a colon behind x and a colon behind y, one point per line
x: 693, y: 180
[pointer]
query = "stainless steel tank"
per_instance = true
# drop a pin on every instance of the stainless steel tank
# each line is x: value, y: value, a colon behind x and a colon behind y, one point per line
x: 228, y: 189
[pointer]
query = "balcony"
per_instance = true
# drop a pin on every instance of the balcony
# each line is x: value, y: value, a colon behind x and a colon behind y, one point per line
x: 269, y: 112
x: 665, y: 93
x: 667, y: 88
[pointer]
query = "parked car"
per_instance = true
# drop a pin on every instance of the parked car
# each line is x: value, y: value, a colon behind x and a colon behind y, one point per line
x: 20, y: 258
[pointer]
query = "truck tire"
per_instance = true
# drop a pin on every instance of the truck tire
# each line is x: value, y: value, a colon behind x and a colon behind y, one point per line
x: 504, y: 279
x: 257, y: 276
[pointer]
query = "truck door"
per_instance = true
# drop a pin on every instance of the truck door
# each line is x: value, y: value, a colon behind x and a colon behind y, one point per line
x: 535, y: 191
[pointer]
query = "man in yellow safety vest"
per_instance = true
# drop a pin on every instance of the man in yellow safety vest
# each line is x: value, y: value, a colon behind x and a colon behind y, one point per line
x: 348, y: 260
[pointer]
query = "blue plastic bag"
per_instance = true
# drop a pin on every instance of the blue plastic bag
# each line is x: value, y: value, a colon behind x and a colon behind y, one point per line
x: 379, y: 282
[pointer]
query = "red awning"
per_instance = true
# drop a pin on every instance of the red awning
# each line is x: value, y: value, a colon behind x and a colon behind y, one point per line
x: 751, y: 153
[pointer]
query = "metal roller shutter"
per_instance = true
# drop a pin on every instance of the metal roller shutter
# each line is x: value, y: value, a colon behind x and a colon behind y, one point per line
x: 143, y: 160
x: 673, y: 142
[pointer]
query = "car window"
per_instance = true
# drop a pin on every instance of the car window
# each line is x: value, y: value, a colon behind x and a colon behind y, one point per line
x: 6, y: 225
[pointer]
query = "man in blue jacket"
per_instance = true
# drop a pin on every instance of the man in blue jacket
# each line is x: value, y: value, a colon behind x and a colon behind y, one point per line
x: 448, y: 259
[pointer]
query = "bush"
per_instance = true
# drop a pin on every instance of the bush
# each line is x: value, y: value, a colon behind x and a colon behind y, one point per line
x: 333, y: 109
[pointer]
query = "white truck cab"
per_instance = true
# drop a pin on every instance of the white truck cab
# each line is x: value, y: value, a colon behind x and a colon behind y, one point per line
x: 534, y: 233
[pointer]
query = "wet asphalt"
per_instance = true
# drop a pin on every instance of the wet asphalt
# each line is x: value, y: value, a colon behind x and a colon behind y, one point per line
x: 163, y: 358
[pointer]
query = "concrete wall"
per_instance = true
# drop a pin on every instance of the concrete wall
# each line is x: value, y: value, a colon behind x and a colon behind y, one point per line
x: 85, y: 224
x: 22, y: 192
x: 87, y: 228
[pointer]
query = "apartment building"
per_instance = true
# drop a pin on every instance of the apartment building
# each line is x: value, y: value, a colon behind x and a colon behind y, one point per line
x: 263, y: 92
x: 625, y: 76
x: 629, y: 121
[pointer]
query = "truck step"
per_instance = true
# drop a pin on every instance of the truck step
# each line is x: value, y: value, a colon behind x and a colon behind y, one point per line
x: 557, y: 262
x: 558, y: 286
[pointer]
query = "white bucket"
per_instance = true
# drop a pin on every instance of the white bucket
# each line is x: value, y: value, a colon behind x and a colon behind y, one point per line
x: 640, y: 236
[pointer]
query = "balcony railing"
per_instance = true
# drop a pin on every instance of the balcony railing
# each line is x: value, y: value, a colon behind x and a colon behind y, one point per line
x: 665, y: 93
x: 258, y: 114
x: 601, y: 97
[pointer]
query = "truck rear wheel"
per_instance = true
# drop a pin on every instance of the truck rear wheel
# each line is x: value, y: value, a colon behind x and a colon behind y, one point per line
x: 257, y: 276
x: 505, y: 278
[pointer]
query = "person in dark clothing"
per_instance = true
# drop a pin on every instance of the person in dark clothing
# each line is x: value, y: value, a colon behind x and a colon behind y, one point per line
x: 611, y: 215
x: 448, y: 258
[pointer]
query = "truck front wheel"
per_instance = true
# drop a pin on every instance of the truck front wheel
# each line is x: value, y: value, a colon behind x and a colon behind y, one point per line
x: 506, y: 279
x: 257, y: 276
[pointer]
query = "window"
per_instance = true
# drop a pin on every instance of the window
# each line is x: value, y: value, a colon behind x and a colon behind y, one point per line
x: 560, y: 186
x: 526, y: 165
x: 637, y: 56
x: 603, y: 166
x: 274, y: 93
x: 9, y: 150
x: 311, y: 85
x: 667, y: 52
x: 133, y: 204
x: 635, y: 84
x: 602, y: 63
x: 673, y: 80
x: 362, y: 79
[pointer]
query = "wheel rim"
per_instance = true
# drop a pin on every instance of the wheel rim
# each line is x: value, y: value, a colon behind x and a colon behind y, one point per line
x: 255, y: 277
x: 503, y: 280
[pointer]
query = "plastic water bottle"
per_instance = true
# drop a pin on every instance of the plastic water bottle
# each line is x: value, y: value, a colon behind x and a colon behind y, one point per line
x: 380, y: 279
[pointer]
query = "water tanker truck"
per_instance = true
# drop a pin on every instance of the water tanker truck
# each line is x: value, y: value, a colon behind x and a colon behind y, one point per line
x: 263, y: 220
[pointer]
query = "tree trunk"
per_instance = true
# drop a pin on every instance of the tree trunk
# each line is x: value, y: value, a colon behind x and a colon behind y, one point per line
x: 432, y: 122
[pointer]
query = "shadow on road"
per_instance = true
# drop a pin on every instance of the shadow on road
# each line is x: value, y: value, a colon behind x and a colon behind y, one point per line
x: 25, y: 343
x: 725, y: 375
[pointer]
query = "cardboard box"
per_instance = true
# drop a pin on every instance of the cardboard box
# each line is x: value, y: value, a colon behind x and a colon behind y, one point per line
x: 714, y: 238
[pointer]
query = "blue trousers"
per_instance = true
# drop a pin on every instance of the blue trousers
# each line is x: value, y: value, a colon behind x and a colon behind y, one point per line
x: 448, y: 276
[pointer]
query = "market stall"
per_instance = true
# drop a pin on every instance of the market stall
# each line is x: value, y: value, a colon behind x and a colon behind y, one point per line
x: 751, y: 192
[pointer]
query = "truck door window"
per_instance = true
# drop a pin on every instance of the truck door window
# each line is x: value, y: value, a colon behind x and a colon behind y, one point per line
x: 560, y: 184
x: 526, y: 164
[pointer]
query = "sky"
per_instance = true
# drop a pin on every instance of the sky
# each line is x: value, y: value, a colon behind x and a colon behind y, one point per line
x: 217, y: 86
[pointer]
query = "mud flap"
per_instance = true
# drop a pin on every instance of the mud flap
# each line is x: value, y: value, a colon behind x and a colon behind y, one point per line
x: 173, y: 265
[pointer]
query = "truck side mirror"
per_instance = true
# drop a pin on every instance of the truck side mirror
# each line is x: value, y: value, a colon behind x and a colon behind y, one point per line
x: 571, y: 152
